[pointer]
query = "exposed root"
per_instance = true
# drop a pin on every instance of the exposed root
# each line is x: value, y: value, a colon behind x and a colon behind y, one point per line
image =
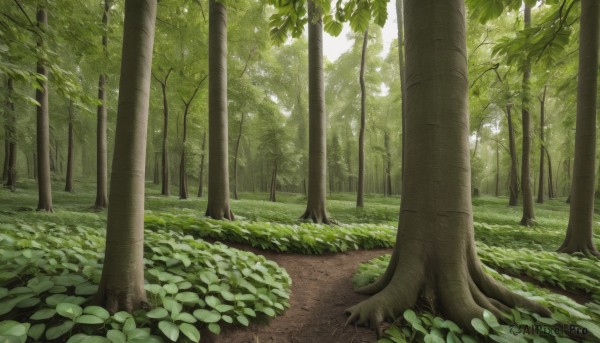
x: 526, y: 221
x: 115, y: 301
x: 220, y: 215
x: 318, y: 216
x: 578, y: 245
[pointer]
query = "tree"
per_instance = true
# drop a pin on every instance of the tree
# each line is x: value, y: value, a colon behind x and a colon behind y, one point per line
x: 218, y: 167
x: 165, y: 141
x: 528, y: 215
x: 201, y: 174
x: 361, y: 135
x: 317, y: 121
x: 101, y: 142
x: 70, y: 138
x: 579, y: 236
x: 436, y: 197
x: 122, y: 282
x: 400, y: 22
x: 540, y: 195
x: 43, y: 126
x: 11, y: 139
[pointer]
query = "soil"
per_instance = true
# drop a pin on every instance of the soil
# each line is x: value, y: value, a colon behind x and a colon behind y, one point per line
x: 321, y: 292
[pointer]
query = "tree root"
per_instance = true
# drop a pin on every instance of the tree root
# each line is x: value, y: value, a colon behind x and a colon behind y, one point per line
x: 318, y: 216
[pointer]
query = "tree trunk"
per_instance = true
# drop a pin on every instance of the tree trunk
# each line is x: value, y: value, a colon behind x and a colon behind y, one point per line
x: 218, y: 168
x: 101, y: 139
x: 69, y: 177
x: 360, y: 194
x: 122, y: 283
x: 183, y: 189
x: 528, y: 214
x: 317, y: 121
x: 235, y: 158
x: 513, y: 184
x: 434, y: 259
x: 11, y: 138
x: 540, y: 196
x: 156, y: 176
x: 579, y: 236
x: 6, y: 155
x: 388, y: 164
x: 201, y: 176
x: 497, y: 190
x: 400, y: 21
x: 551, y: 194
x: 43, y: 127
x: 272, y: 195
x: 165, y: 141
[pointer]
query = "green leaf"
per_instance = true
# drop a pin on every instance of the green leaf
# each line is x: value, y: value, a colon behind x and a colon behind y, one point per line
x: 69, y: 310
x: 490, y: 319
x: 593, y: 328
x: 157, y: 313
x: 89, y: 319
x: 36, y: 331
x: 243, y: 320
x: 59, y: 330
x: 116, y: 336
x: 12, y: 328
x: 480, y: 326
x: 187, y: 297
x: 43, y: 314
x: 191, y: 332
x: 121, y: 316
x: 207, y: 316
x: 411, y: 317
x: 214, y: 328
x: 434, y: 339
x: 169, y: 329
x: 171, y: 288
x: 97, y: 311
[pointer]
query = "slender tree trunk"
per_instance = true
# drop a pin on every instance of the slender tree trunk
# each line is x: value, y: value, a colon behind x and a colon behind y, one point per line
x: 579, y: 236
x: 35, y: 169
x: 528, y: 214
x: 6, y: 155
x: 513, y: 185
x: 317, y: 121
x: 434, y: 259
x: 156, y: 176
x: 400, y: 21
x: 101, y: 139
x: 165, y: 142
x: 360, y: 194
x: 388, y: 164
x: 122, y: 282
x: 497, y: 190
x: 218, y: 168
x: 183, y: 189
x: 551, y: 194
x: 235, y: 157
x: 272, y: 195
x: 540, y: 196
x: 43, y: 127
x: 201, y: 176
x: 11, y: 138
x: 69, y: 177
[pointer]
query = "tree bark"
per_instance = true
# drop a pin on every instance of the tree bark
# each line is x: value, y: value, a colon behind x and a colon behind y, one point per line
x: 528, y: 214
x: 360, y: 194
x: 388, y: 164
x: 156, y: 176
x: 579, y: 236
x: 11, y: 138
x: 235, y: 157
x: 201, y: 176
x: 122, y: 283
x: 218, y: 169
x: 272, y: 195
x: 317, y: 121
x: 434, y: 260
x: 101, y: 139
x: 497, y: 190
x: 513, y: 185
x: 551, y: 194
x: 400, y: 21
x: 70, y: 142
x: 6, y: 155
x: 165, y: 142
x: 43, y: 127
x: 540, y: 195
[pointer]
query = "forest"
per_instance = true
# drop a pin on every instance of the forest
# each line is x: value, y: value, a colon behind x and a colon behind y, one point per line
x: 230, y: 171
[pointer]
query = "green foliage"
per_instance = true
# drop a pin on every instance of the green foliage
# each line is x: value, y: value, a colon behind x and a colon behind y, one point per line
x: 303, y: 238
x: 48, y: 286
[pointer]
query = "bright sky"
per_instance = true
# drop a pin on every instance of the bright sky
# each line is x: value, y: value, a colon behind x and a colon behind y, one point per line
x: 335, y: 46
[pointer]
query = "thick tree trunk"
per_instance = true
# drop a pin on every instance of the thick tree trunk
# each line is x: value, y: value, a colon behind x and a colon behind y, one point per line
x: 528, y: 214
x: 360, y: 194
x: 43, y: 128
x: 540, y: 195
x: 513, y: 184
x: 201, y: 176
x: 400, y: 21
x: 317, y: 121
x: 235, y: 157
x: 11, y: 138
x: 69, y: 177
x: 218, y: 167
x: 579, y: 236
x: 435, y: 260
x: 101, y: 139
x: 122, y: 283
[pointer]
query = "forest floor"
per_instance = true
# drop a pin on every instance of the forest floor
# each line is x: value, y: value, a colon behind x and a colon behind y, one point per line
x: 321, y: 292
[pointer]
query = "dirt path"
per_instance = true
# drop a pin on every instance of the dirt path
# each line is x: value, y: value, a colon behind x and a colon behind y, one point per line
x: 321, y: 291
